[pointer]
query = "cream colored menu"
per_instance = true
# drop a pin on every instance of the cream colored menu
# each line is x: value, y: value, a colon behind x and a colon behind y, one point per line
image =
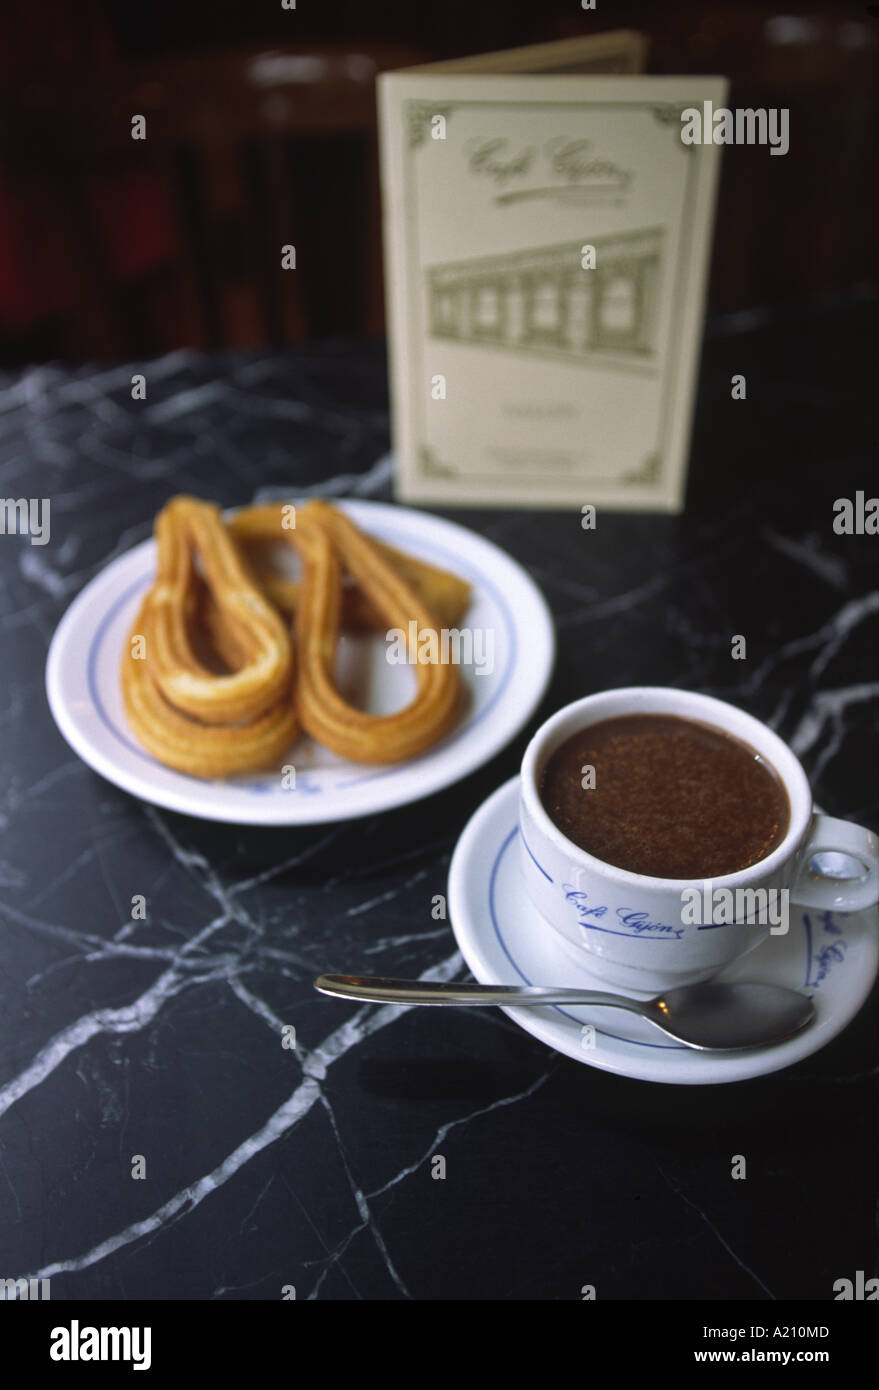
x: 546, y: 246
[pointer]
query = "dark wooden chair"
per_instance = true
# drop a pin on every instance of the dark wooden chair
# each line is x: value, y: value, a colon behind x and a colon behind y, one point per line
x: 247, y: 152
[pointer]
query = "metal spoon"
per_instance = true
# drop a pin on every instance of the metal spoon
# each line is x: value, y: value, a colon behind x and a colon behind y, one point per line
x: 712, y: 1016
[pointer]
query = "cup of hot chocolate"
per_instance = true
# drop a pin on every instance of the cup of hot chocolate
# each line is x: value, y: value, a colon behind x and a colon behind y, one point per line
x: 665, y: 833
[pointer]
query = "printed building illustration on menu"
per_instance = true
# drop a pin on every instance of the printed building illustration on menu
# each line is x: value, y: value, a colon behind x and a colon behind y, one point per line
x: 542, y: 300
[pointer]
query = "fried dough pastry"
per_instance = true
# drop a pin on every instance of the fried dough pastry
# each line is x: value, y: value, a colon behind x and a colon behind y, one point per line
x: 257, y: 645
x: 213, y: 691
x: 326, y: 540
x: 257, y: 528
x: 189, y: 746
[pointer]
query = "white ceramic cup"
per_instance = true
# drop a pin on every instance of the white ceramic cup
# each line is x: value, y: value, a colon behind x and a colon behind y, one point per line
x: 634, y: 930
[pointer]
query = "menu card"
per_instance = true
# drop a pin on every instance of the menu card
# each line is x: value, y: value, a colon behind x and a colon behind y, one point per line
x: 547, y: 234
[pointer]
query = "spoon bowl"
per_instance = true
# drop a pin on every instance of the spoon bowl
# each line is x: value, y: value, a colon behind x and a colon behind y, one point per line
x: 729, y: 1017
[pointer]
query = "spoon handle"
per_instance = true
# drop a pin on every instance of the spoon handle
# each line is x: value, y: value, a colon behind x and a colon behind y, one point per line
x: 379, y: 990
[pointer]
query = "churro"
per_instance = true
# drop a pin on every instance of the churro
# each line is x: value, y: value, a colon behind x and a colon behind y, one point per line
x: 185, y: 744
x: 258, y: 529
x: 260, y: 641
x: 326, y: 539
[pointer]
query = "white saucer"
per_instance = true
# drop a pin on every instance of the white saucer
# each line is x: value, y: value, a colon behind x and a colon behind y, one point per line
x: 82, y: 683
x: 830, y: 957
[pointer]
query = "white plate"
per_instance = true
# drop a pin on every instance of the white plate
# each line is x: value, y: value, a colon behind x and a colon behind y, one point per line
x: 503, y: 939
x: 82, y: 683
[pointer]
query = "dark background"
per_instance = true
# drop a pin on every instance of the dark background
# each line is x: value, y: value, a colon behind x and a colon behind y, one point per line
x: 111, y: 248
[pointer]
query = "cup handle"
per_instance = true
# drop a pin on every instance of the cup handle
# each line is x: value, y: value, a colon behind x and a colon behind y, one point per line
x: 848, y: 878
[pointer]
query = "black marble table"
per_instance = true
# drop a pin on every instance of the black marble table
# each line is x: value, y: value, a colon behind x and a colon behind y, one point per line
x: 264, y: 1168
